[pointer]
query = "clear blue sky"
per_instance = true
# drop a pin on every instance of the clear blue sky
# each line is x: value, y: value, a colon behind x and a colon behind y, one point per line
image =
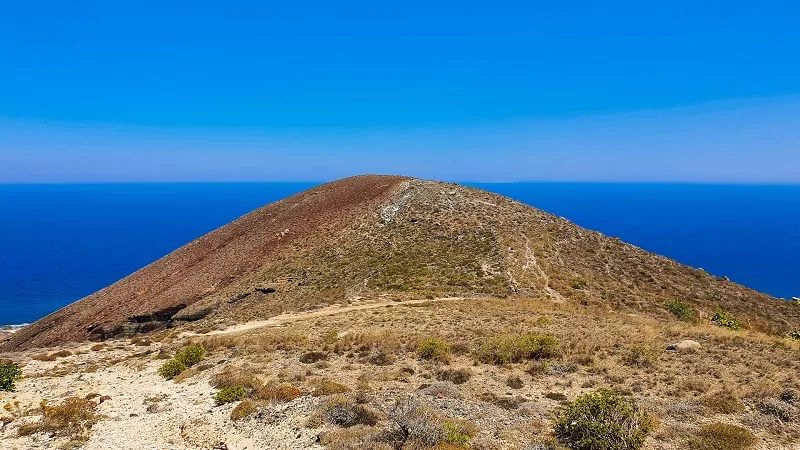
x: 478, y: 91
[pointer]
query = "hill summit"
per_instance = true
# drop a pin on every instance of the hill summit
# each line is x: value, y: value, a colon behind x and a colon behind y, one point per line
x: 390, y: 236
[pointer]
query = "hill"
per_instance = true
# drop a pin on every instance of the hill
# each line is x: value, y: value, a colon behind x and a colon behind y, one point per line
x: 387, y: 236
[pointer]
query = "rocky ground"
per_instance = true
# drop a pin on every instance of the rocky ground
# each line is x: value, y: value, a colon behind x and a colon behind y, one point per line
x: 366, y: 354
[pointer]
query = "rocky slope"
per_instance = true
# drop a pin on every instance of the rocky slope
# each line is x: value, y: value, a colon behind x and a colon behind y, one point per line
x: 371, y: 236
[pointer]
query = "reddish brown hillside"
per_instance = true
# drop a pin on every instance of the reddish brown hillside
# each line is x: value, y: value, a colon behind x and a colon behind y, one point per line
x: 214, y: 262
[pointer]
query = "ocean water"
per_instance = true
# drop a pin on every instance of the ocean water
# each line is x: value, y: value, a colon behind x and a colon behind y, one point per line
x: 59, y: 243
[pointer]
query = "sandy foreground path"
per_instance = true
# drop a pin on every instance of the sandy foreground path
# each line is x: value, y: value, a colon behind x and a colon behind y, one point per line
x: 145, y: 412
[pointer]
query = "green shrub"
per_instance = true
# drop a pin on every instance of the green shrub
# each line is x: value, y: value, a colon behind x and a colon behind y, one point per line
x: 458, y: 432
x: 681, y: 310
x: 434, y: 349
x: 10, y: 372
x: 721, y: 436
x: 230, y: 394
x: 512, y: 348
x: 725, y: 320
x: 795, y: 335
x: 191, y: 355
x: 171, y: 369
x: 603, y: 420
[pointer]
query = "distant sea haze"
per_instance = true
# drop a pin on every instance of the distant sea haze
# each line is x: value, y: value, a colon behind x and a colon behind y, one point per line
x: 63, y: 242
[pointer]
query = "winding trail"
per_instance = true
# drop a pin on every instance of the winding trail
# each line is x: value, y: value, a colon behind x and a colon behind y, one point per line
x: 282, y: 319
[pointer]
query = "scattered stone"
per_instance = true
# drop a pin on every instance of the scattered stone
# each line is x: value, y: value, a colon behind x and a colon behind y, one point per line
x: 686, y: 344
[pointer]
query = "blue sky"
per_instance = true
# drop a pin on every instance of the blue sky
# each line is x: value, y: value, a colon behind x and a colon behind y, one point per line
x: 483, y: 91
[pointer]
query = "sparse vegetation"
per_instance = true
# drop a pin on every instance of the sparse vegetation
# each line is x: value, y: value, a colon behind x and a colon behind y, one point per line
x: 185, y: 359
x: 171, y: 369
x: 10, y: 372
x: 514, y: 348
x: 725, y: 320
x: 230, y: 394
x: 329, y: 388
x: 639, y: 356
x: 245, y: 408
x: 345, y: 412
x: 603, y: 420
x: 722, y: 436
x: 435, y: 350
x: 190, y: 355
x: 681, y: 310
x: 73, y: 418
x: 281, y: 393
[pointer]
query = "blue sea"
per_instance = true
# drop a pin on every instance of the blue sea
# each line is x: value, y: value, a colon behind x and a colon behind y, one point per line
x: 59, y: 243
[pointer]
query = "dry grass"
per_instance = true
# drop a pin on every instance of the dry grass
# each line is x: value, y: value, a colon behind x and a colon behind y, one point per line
x: 73, y: 418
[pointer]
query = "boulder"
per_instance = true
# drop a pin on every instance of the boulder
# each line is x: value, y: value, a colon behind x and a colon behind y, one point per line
x: 686, y: 344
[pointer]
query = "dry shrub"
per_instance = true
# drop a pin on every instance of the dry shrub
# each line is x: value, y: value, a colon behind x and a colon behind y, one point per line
x: 98, y: 347
x: 312, y: 357
x: 346, y: 412
x: 236, y: 376
x: 186, y: 374
x: 455, y: 376
x: 514, y: 382
x: 442, y: 389
x: 722, y: 436
x: 381, y: 358
x: 357, y: 437
x: 411, y: 423
x: 245, y: 408
x: 281, y: 393
x: 512, y: 348
x: 723, y: 402
x: 328, y: 388
x: 44, y: 357
x: 73, y: 418
x: 639, y: 356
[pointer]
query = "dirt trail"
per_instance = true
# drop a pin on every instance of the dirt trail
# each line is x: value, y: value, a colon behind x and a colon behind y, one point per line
x: 322, y: 312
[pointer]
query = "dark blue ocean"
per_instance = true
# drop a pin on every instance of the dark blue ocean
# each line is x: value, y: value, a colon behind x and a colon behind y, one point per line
x: 59, y: 243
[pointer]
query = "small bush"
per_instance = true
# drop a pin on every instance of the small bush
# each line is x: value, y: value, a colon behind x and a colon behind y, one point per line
x: 435, y: 350
x: 329, y: 388
x: 236, y: 376
x: 230, y: 394
x: 455, y: 376
x: 10, y: 372
x: 513, y: 348
x: 73, y: 418
x: 725, y: 320
x: 243, y: 409
x: 171, y: 369
x: 312, y: 357
x: 281, y: 393
x: 409, y: 422
x: 603, y: 420
x: 681, y: 310
x: 346, y: 413
x: 723, y: 402
x: 638, y: 356
x: 721, y: 436
x: 191, y: 355
x: 455, y: 434
x: 795, y: 335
